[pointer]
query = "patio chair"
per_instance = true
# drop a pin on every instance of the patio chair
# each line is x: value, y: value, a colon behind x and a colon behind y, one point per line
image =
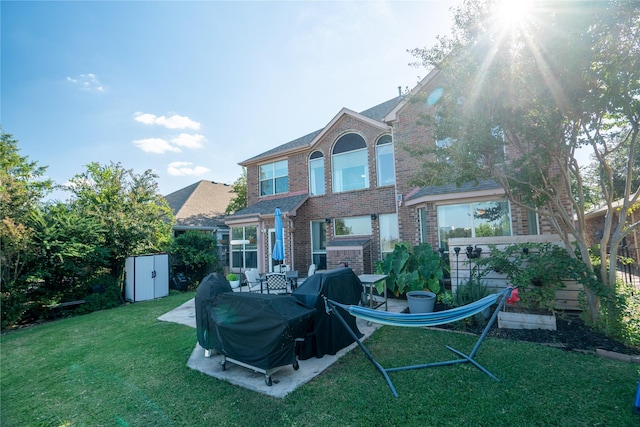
x: 253, y: 280
x: 311, y: 272
x: 277, y: 282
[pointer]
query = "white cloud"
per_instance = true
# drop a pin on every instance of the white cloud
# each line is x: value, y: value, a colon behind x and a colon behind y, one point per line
x: 185, y: 169
x: 188, y: 140
x: 88, y: 83
x: 172, y: 122
x: 155, y: 145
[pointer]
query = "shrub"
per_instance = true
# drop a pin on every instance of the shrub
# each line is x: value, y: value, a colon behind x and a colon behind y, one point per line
x: 194, y: 252
x: 537, y: 269
x: 105, y: 294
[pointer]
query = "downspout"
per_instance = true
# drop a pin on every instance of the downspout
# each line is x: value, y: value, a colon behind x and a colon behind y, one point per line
x: 291, y: 243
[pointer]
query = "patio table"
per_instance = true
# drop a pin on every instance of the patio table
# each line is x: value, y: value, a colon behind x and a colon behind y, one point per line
x: 369, y: 281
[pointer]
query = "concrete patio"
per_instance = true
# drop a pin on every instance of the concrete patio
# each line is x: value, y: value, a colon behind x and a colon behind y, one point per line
x: 284, y: 380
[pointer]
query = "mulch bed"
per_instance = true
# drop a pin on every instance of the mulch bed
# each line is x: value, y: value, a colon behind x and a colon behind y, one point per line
x: 572, y: 334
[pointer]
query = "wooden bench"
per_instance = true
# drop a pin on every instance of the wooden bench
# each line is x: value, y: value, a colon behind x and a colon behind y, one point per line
x: 56, y: 309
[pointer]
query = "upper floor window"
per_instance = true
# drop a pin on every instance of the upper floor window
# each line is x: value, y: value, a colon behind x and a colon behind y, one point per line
x: 316, y: 173
x: 384, y: 160
x: 350, y: 165
x: 274, y: 178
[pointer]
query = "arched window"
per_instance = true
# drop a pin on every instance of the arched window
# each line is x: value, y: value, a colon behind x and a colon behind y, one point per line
x: 384, y: 161
x: 350, y: 169
x: 316, y: 173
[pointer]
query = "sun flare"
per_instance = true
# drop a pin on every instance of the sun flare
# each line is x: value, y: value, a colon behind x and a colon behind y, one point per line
x: 512, y: 12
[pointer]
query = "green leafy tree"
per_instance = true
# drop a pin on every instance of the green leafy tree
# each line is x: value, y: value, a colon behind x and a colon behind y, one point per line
x: 21, y: 187
x: 195, y: 251
x: 240, y: 189
x: 135, y: 218
x: 70, y: 251
x: 538, y: 87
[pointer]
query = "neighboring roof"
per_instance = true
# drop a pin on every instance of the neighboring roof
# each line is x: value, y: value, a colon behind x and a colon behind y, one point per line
x: 266, y: 207
x: 376, y: 113
x: 431, y: 192
x: 200, y: 205
x: 603, y: 209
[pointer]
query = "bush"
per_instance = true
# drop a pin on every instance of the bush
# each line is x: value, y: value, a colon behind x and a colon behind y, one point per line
x: 537, y: 269
x: 468, y: 292
x: 194, y: 252
x: 105, y: 294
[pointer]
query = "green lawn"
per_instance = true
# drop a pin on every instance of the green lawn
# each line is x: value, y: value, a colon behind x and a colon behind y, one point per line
x: 123, y: 367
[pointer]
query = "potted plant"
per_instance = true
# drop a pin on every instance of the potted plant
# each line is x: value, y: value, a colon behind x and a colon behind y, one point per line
x: 233, y: 279
x: 416, y: 272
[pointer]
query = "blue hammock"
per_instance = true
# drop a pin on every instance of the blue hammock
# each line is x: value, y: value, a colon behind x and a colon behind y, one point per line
x: 422, y: 320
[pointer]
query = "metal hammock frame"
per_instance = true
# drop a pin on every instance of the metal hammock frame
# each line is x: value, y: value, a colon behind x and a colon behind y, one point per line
x: 424, y: 320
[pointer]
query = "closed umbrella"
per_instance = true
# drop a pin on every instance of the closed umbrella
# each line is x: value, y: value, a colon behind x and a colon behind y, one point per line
x: 278, y: 248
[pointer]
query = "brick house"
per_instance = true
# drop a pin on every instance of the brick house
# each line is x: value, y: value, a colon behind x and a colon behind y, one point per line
x: 345, y: 195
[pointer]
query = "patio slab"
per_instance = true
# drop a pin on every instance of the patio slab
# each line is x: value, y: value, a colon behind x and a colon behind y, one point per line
x: 284, y: 380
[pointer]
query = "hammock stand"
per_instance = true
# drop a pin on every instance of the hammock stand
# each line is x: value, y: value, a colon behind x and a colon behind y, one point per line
x: 422, y: 320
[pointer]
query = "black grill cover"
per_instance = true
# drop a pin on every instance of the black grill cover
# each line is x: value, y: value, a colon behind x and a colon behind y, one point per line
x: 327, y: 335
x: 258, y: 329
x: 210, y: 287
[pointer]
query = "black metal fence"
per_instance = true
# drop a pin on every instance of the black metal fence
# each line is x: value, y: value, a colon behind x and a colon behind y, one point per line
x: 628, y: 268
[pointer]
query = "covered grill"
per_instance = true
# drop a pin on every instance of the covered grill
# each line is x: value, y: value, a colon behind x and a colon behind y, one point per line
x: 326, y: 334
x: 257, y: 331
x: 211, y: 286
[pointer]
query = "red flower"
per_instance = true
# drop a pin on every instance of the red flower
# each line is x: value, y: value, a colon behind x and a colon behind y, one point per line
x: 514, y: 298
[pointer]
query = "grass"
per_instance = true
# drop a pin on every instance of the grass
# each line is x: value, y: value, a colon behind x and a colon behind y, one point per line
x: 123, y: 367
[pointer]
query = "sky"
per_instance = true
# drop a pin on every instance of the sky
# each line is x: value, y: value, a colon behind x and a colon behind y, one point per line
x: 189, y: 89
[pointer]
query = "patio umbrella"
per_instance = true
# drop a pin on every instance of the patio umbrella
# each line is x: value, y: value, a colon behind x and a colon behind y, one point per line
x: 278, y: 247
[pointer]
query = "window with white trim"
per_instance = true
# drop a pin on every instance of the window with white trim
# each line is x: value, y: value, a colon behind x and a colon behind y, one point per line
x: 353, y: 226
x: 389, y: 234
x: 385, y: 162
x: 274, y: 178
x: 316, y: 174
x: 246, y: 255
x: 479, y: 219
x: 350, y: 168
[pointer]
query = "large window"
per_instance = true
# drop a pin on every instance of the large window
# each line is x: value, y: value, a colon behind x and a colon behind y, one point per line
x: 384, y: 161
x: 319, y: 244
x: 389, y: 235
x: 245, y: 255
x: 274, y: 178
x: 349, y: 162
x: 316, y: 173
x: 479, y: 219
x: 353, y: 226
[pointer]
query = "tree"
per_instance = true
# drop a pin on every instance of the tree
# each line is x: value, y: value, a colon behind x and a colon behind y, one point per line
x: 70, y: 251
x: 240, y: 188
x: 21, y: 187
x: 195, y: 251
x: 136, y: 219
x: 538, y: 87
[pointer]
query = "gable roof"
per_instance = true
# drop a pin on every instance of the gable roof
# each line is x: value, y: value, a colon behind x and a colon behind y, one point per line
x: 375, y: 114
x: 200, y: 205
